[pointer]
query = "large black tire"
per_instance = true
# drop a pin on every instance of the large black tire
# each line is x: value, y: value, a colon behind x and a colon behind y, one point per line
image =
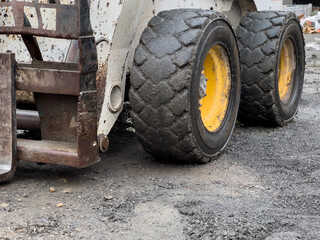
x: 165, y: 85
x: 261, y: 38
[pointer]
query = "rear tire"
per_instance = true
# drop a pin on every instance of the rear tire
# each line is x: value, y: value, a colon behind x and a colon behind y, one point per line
x: 169, y: 82
x: 272, y: 59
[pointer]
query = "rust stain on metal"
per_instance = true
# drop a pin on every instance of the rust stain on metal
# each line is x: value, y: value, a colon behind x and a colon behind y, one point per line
x: 24, y: 97
x: 101, y: 84
x: 103, y: 142
x: 56, y: 115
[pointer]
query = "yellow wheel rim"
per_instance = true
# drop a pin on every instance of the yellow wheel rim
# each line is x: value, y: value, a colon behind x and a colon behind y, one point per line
x: 287, y: 67
x: 215, y: 85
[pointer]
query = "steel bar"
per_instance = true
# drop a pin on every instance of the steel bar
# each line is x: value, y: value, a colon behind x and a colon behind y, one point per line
x: 48, y: 152
x: 8, y: 147
x: 28, y: 120
x: 51, y: 81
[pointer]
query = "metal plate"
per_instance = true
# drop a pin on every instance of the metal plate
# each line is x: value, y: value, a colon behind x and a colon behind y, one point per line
x: 8, y: 142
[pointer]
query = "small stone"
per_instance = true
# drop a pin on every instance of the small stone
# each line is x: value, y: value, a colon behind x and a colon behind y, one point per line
x: 63, y: 179
x: 60, y: 205
x: 4, y: 205
x: 52, y: 189
x: 8, y: 209
x: 108, y: 197
x: 67, y: 190
x: 25, y: 195
x: 105, y: 219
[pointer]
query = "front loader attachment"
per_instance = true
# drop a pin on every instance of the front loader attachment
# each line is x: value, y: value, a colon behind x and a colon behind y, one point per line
x: 64, y: 92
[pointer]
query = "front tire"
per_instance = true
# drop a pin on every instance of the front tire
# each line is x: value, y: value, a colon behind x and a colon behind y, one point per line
x: 185, y: 85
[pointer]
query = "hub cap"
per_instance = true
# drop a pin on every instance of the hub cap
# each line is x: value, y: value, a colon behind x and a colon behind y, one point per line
x: 287, y: 68
x: 215, y: 85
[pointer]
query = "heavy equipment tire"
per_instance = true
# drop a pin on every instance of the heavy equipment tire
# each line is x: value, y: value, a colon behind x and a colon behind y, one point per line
x: 183, y: 55
x: 272, y: 57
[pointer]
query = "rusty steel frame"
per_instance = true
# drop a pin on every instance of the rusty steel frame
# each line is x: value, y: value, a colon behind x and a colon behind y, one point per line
x: 8, y: 143
x: 68, y: 18
x: 65, y: 93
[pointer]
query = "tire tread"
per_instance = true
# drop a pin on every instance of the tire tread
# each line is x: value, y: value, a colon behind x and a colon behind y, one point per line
x: 259, y: 38
x: 160, y: 99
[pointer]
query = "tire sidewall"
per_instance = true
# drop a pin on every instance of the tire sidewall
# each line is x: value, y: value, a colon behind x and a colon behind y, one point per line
x: 217, y: 32
x: 291, y: 30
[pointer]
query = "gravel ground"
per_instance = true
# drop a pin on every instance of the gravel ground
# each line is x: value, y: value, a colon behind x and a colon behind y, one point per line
x: 265, y: 186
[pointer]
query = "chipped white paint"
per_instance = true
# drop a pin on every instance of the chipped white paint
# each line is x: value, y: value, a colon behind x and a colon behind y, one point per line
x: 6, y: 17
x: 269, y: 5
x: 119, y: 25
x: 49, y: 18
x: 32, y: 16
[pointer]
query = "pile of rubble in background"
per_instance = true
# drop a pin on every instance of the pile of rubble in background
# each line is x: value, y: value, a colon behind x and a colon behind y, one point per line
x: 311, y: 24
x: 309, y: 16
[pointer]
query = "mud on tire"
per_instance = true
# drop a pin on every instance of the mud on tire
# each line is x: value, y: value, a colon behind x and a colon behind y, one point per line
x: 272, y: 81
x: 166, y: 82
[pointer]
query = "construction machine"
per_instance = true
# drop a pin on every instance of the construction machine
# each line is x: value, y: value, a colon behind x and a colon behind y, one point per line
x: 65, y: 66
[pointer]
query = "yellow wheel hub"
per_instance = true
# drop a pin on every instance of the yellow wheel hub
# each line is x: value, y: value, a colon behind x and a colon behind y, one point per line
x: 287, y: 67
x: 215, y: 85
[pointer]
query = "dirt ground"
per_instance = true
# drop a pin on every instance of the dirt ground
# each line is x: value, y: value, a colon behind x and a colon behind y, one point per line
x: 265, y: 186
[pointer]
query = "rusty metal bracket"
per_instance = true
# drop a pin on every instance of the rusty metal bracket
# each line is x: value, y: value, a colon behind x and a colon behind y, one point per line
x: 65, y: 93
x: 8, y: 142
